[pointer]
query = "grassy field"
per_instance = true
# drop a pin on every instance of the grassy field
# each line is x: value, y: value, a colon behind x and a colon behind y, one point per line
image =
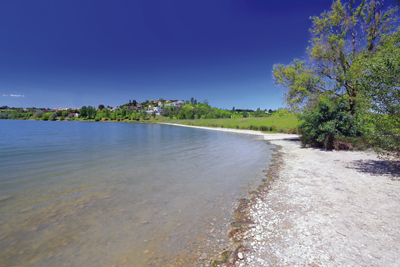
x: 283, y: 124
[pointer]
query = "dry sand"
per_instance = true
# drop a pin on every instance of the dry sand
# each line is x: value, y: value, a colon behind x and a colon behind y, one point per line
x: 323, y: 208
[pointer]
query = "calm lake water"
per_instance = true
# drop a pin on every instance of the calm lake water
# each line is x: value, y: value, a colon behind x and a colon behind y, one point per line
x: 122, y: 194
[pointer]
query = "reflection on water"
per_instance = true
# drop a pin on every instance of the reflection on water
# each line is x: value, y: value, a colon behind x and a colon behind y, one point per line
x: 104, y: 194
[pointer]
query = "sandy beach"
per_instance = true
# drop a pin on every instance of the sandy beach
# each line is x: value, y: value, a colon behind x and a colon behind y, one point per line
x: 322, y: 208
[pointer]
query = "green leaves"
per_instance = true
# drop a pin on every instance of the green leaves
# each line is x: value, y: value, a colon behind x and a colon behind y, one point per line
x: 301, y: 81
x: 329, y: 120
x: 380, y: 91
x: 339, y: 37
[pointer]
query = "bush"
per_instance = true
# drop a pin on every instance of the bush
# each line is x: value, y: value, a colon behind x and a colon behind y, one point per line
x: 329, y: 120
x: 38, y: 114
x: 252, y: 127
x: 272, y: 128
x: 292, y: 130
x: 4, y: 115
x: 52, y: 116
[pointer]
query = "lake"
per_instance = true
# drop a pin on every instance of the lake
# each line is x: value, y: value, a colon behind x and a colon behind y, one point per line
x: 121, y: 194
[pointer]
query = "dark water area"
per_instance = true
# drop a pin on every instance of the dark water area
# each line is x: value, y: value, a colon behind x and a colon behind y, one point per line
x: 120, y: 194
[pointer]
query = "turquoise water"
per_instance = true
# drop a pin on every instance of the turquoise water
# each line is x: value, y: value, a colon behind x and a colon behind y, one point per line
x: 123, y: 194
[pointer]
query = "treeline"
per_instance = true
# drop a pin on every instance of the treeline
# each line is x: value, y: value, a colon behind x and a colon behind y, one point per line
x: 85, y: 113
x: 134, y: 111
x: 195, y: 110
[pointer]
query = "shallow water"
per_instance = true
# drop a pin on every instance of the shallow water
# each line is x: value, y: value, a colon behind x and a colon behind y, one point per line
x: 124, y: 194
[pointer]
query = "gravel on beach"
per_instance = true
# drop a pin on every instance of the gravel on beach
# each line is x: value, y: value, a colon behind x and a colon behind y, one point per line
x: 325, y: 208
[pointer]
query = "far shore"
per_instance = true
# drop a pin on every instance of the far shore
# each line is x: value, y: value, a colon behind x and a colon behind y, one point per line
x: 323, y: 208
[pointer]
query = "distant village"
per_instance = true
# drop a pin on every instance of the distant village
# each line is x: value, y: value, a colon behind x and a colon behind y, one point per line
x: 149, y: 107
x: 133, y: 111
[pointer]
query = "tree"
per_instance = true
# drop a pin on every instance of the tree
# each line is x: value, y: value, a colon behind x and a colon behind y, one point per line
x: 101, y: 107
x: 338, y: 38
x: 38, y: 114
x: 52, y: 116
x: 380, y: 87
x: 83, y: 113
x: 143, y: 114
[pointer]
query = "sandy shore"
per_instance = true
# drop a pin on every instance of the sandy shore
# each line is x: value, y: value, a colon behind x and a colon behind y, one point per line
x: 268, y: 137
x: 324, y: 208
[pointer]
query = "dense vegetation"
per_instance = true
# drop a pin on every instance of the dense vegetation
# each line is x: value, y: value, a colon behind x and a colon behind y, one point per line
x: 349, y: 85
x: 134, y: 111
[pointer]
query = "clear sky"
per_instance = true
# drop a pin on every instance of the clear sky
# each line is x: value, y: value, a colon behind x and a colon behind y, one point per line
x: 90, y: 52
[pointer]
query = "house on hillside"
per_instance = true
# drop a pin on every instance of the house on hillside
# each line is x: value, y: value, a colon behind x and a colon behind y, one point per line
x: 76, y: 115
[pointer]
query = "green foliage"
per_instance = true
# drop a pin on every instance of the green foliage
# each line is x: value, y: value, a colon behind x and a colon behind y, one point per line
x: 46, y: 116
x: 51, y: 116
x: 4, y: 115
x: 380, y: 88
x: 329, y: 120
x: 338, y: 37
x: 38, y: 114
x: 281, y: 112
x: 268, y: 124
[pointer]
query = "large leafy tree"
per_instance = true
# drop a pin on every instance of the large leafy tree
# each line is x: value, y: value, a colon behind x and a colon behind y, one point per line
x: 339, y: 36
x: 380, y: 87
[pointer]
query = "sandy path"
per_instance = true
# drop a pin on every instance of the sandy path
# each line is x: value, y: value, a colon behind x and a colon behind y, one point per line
x: 327, y: 208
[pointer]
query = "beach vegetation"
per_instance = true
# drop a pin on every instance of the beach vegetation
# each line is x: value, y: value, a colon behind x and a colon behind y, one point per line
x: 328, y: 121
x: 381, y: 95
x: 339, y: 37
x: 347, y: 86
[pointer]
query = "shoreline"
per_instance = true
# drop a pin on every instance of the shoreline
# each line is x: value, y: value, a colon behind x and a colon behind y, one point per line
x: 318, y: 208
x: 266, y: 136
x: 326, y: 208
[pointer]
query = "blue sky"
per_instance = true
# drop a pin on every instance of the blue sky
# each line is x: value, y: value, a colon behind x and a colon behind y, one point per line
x: 80, y: 52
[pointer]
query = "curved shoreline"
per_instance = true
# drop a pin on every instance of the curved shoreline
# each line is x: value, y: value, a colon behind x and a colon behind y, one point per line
x: 319, y: 208
x: 266, y: 136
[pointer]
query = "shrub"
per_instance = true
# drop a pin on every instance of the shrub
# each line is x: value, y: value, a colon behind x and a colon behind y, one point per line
x: 252, y: 127
x: 329, y: 120
x: 38, y: 114
x: 52, y: 116
x: 4, y: 115
x: 292, y: 130
x: 272, y: 128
